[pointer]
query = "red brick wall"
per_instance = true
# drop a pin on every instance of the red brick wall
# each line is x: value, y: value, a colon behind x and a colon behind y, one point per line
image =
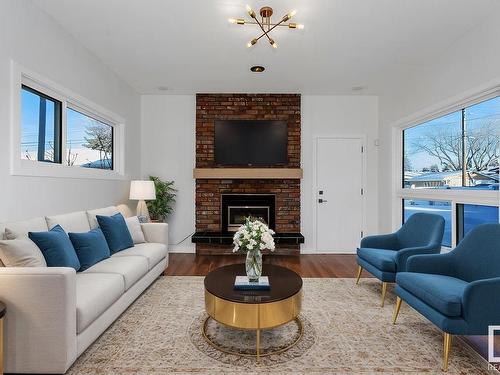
x: 211, y: 107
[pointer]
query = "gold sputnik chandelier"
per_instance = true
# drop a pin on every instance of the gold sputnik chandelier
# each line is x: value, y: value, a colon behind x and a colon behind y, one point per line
x: 265, y: 23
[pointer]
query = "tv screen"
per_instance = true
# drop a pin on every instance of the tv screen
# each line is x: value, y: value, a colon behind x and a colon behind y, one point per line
x: 249, y: 142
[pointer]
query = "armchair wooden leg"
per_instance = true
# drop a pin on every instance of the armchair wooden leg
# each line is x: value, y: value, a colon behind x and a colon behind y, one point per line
x: 358, y: 276
x: 396, y: 310
x: 446, y: 350
x: 384, y: 291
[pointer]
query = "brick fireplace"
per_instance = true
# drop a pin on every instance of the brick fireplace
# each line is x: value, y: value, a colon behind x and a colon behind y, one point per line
x: 212, y: 236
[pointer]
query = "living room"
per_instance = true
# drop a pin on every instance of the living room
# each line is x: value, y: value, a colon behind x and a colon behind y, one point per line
x: 223, y: 187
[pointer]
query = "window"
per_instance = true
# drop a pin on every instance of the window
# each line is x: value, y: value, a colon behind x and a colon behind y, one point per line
x: 89, y: 142
x: 442, y: 208
x: 40, y: 126
x: 57, y: 133
x: 456, y: 151
x: 471, y: 215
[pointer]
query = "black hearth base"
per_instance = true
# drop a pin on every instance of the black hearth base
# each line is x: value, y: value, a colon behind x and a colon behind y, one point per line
x: 226, y: 238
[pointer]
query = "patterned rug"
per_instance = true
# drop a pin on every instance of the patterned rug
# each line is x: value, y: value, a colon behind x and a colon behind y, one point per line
x: 286, y: 341
x: 345, y: 332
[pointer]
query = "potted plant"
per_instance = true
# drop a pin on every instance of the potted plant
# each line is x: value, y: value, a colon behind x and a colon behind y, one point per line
x: 253, y: 237
x: 162, y: 206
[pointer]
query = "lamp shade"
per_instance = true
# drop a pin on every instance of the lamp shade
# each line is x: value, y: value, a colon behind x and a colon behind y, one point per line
x: 142, y: 190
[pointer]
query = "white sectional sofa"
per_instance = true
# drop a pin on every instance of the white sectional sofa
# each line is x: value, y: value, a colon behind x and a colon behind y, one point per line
x: 55, y: 313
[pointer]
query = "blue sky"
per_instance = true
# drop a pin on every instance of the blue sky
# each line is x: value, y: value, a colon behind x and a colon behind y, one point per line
x: 476, y: 115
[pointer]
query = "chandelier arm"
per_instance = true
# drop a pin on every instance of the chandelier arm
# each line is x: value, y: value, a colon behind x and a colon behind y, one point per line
x: 272, y: 24
x: 263, y: 30
x: 276, y: 25
x: 263, y: 34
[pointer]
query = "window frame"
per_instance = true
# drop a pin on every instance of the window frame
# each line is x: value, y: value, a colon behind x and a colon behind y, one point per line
x: 465, y: 196
x: 21, y: 76
x: 57, y: 133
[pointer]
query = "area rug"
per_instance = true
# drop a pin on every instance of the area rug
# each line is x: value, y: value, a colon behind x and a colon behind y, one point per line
x: 278, y: 345
x: 347, y: 333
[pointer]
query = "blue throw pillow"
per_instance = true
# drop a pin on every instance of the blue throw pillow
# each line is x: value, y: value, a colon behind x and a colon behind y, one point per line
x: 56, y: 248
x: 90, y: 247
x: 116, y: 232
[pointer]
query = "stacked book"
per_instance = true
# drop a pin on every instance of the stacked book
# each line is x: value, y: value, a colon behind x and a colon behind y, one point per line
x: 242, y: 283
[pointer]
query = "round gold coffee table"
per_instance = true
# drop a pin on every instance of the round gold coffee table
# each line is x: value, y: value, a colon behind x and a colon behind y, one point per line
x: 253, y: 309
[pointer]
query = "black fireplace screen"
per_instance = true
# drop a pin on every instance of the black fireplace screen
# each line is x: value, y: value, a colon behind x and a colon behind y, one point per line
x: 237, y: 207
x: 238, y: 214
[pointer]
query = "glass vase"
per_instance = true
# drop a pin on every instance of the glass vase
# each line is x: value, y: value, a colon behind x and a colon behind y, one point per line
x: 253, y: 265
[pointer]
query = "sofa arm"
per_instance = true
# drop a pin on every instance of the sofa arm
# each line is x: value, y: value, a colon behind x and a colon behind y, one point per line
x: 156, y: 232
x: 382, y: 241
x: 404, y: 254
x: 40, y: 323
x: 481, y: 305
x: 438, y: 264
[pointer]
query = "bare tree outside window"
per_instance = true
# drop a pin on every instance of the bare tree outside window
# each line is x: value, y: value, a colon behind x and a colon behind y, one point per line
x: 458, y: 150
x: 100, y: 138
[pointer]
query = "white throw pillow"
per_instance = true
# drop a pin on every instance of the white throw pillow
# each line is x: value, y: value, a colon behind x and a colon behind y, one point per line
x: 21, y: 253
x: 134, y: 227
x: 20, y: 229
x: 107, y: 211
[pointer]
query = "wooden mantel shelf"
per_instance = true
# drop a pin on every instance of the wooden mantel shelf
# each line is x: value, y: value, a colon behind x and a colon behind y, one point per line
x: 247, y: 173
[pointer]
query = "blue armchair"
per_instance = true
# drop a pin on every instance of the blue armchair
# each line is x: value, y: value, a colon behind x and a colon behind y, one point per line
x: 386, y: 255
x: 457, y: 291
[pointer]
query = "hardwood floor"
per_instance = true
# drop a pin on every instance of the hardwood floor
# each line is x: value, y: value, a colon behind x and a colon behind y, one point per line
x: 339, y: 265
x: 335, y: 265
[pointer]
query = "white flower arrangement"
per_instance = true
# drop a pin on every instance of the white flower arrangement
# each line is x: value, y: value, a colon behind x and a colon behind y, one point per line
x: 253, y: 235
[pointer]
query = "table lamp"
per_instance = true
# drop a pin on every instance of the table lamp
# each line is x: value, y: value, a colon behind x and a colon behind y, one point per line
x: 142, y: 191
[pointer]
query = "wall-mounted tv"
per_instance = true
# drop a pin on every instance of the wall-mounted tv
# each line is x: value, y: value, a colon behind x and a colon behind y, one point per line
x: 251, y: 142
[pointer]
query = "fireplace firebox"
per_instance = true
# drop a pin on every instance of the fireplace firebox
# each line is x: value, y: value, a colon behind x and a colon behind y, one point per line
x: 237, y: 207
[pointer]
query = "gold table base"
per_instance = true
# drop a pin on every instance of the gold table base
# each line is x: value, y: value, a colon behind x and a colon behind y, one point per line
x: 258, y: 352
x: 253, y: 316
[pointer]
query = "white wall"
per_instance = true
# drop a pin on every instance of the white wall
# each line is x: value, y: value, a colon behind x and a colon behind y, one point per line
x: 338, y: 116
x: 168, y: 151
x: 168, y: 143
x: 34, y: 40
x: 470, y: 65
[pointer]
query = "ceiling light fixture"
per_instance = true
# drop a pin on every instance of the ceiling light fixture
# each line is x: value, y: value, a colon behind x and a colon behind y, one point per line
x: 257, y: 69
x: 265, y: 24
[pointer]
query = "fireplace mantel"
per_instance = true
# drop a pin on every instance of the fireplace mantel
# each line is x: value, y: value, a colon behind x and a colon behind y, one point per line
x: 247, y: 173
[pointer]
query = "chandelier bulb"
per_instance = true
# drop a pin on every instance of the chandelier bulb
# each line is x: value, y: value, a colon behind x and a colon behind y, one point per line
x: 239, y: 21
x: 251, y: 43
x: 273, y: 43
x: 250, y: 11
x: 300, y: 26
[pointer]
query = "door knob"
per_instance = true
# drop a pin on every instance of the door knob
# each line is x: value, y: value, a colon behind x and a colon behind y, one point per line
x: 321, y: 200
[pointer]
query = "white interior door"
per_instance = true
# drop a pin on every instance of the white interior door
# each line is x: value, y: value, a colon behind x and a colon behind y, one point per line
x: 339, y: 194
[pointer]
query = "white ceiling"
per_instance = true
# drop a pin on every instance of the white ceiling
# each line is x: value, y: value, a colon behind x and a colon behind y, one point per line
x: 188, y: 46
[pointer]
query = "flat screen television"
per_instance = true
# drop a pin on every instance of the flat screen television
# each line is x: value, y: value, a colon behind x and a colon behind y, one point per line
x: 251, y: 142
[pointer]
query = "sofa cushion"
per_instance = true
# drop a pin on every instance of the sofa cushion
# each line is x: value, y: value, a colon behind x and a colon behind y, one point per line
x: 116, y: 232
x: 384, y: 260
x: 91, y: 247
x: 153, y: 252
x: 135, y: 229
x: 107, y: 211
x: 443, y: 293
x: 95, y: 293
x: 56, y: 248
x: 21, y: 253
x: 76, y: 222
x: 20, y: 229
x: 132, y: 268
